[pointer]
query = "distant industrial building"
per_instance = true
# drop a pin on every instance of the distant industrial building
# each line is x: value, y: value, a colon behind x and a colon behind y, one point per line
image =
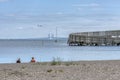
x: 98, y: 38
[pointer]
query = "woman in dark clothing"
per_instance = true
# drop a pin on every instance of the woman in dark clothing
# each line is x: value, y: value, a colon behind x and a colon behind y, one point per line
x: 18, y: 61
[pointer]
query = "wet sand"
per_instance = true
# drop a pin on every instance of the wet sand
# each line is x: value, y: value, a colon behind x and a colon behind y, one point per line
x: 80, y: 70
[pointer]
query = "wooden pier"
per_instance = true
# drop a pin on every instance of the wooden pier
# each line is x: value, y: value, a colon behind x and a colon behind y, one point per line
x: 98, y: 38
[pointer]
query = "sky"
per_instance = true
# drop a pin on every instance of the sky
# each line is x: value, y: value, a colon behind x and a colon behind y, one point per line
x: 39, y: 18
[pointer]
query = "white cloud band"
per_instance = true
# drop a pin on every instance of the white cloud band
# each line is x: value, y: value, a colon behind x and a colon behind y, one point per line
x: 3, y: 0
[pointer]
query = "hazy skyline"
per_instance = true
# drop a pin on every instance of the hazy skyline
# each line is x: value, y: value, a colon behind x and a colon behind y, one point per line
x: 20, y: 18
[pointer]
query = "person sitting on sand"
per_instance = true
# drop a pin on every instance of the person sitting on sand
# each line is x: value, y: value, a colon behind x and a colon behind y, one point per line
x: 33, y: 60
x: 18, y: 61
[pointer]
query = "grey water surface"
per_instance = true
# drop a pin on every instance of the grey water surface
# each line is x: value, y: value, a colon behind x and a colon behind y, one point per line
x: 45, y: 50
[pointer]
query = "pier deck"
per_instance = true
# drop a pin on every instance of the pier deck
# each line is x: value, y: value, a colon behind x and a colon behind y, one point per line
x: 98, y: 38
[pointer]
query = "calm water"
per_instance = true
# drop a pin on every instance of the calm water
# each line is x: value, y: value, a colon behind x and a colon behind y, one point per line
x: 46, y: 50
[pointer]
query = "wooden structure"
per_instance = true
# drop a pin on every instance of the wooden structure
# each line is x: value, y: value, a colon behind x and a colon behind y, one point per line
x: 97, y: 38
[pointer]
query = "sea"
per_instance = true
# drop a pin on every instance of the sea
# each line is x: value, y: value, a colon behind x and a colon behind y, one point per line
x: 45, y: 50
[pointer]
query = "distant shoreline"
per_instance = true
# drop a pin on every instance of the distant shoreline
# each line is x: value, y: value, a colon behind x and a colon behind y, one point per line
x: 34, y: 39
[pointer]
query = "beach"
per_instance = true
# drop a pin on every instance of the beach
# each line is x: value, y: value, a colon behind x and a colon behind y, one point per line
x: 77, y: 70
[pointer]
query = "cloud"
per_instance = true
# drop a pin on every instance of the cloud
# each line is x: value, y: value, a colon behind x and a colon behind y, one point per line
x: 15, y: 15
x: 3, y: 0
x: 59, y: 13
x: 92, y: 6
x: 10, y: 15
x: 87, y: 5
x: 20, y: 28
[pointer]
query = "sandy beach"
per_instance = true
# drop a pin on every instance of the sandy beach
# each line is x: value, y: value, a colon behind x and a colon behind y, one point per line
x: 81, y: 70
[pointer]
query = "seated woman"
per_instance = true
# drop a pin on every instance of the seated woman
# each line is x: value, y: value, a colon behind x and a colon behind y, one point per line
x: 33, y: 60
x: 18, y: 61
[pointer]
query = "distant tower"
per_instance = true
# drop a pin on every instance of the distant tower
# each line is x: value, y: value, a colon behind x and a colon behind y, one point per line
x: 50, y: 36
x: 56, y: 34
